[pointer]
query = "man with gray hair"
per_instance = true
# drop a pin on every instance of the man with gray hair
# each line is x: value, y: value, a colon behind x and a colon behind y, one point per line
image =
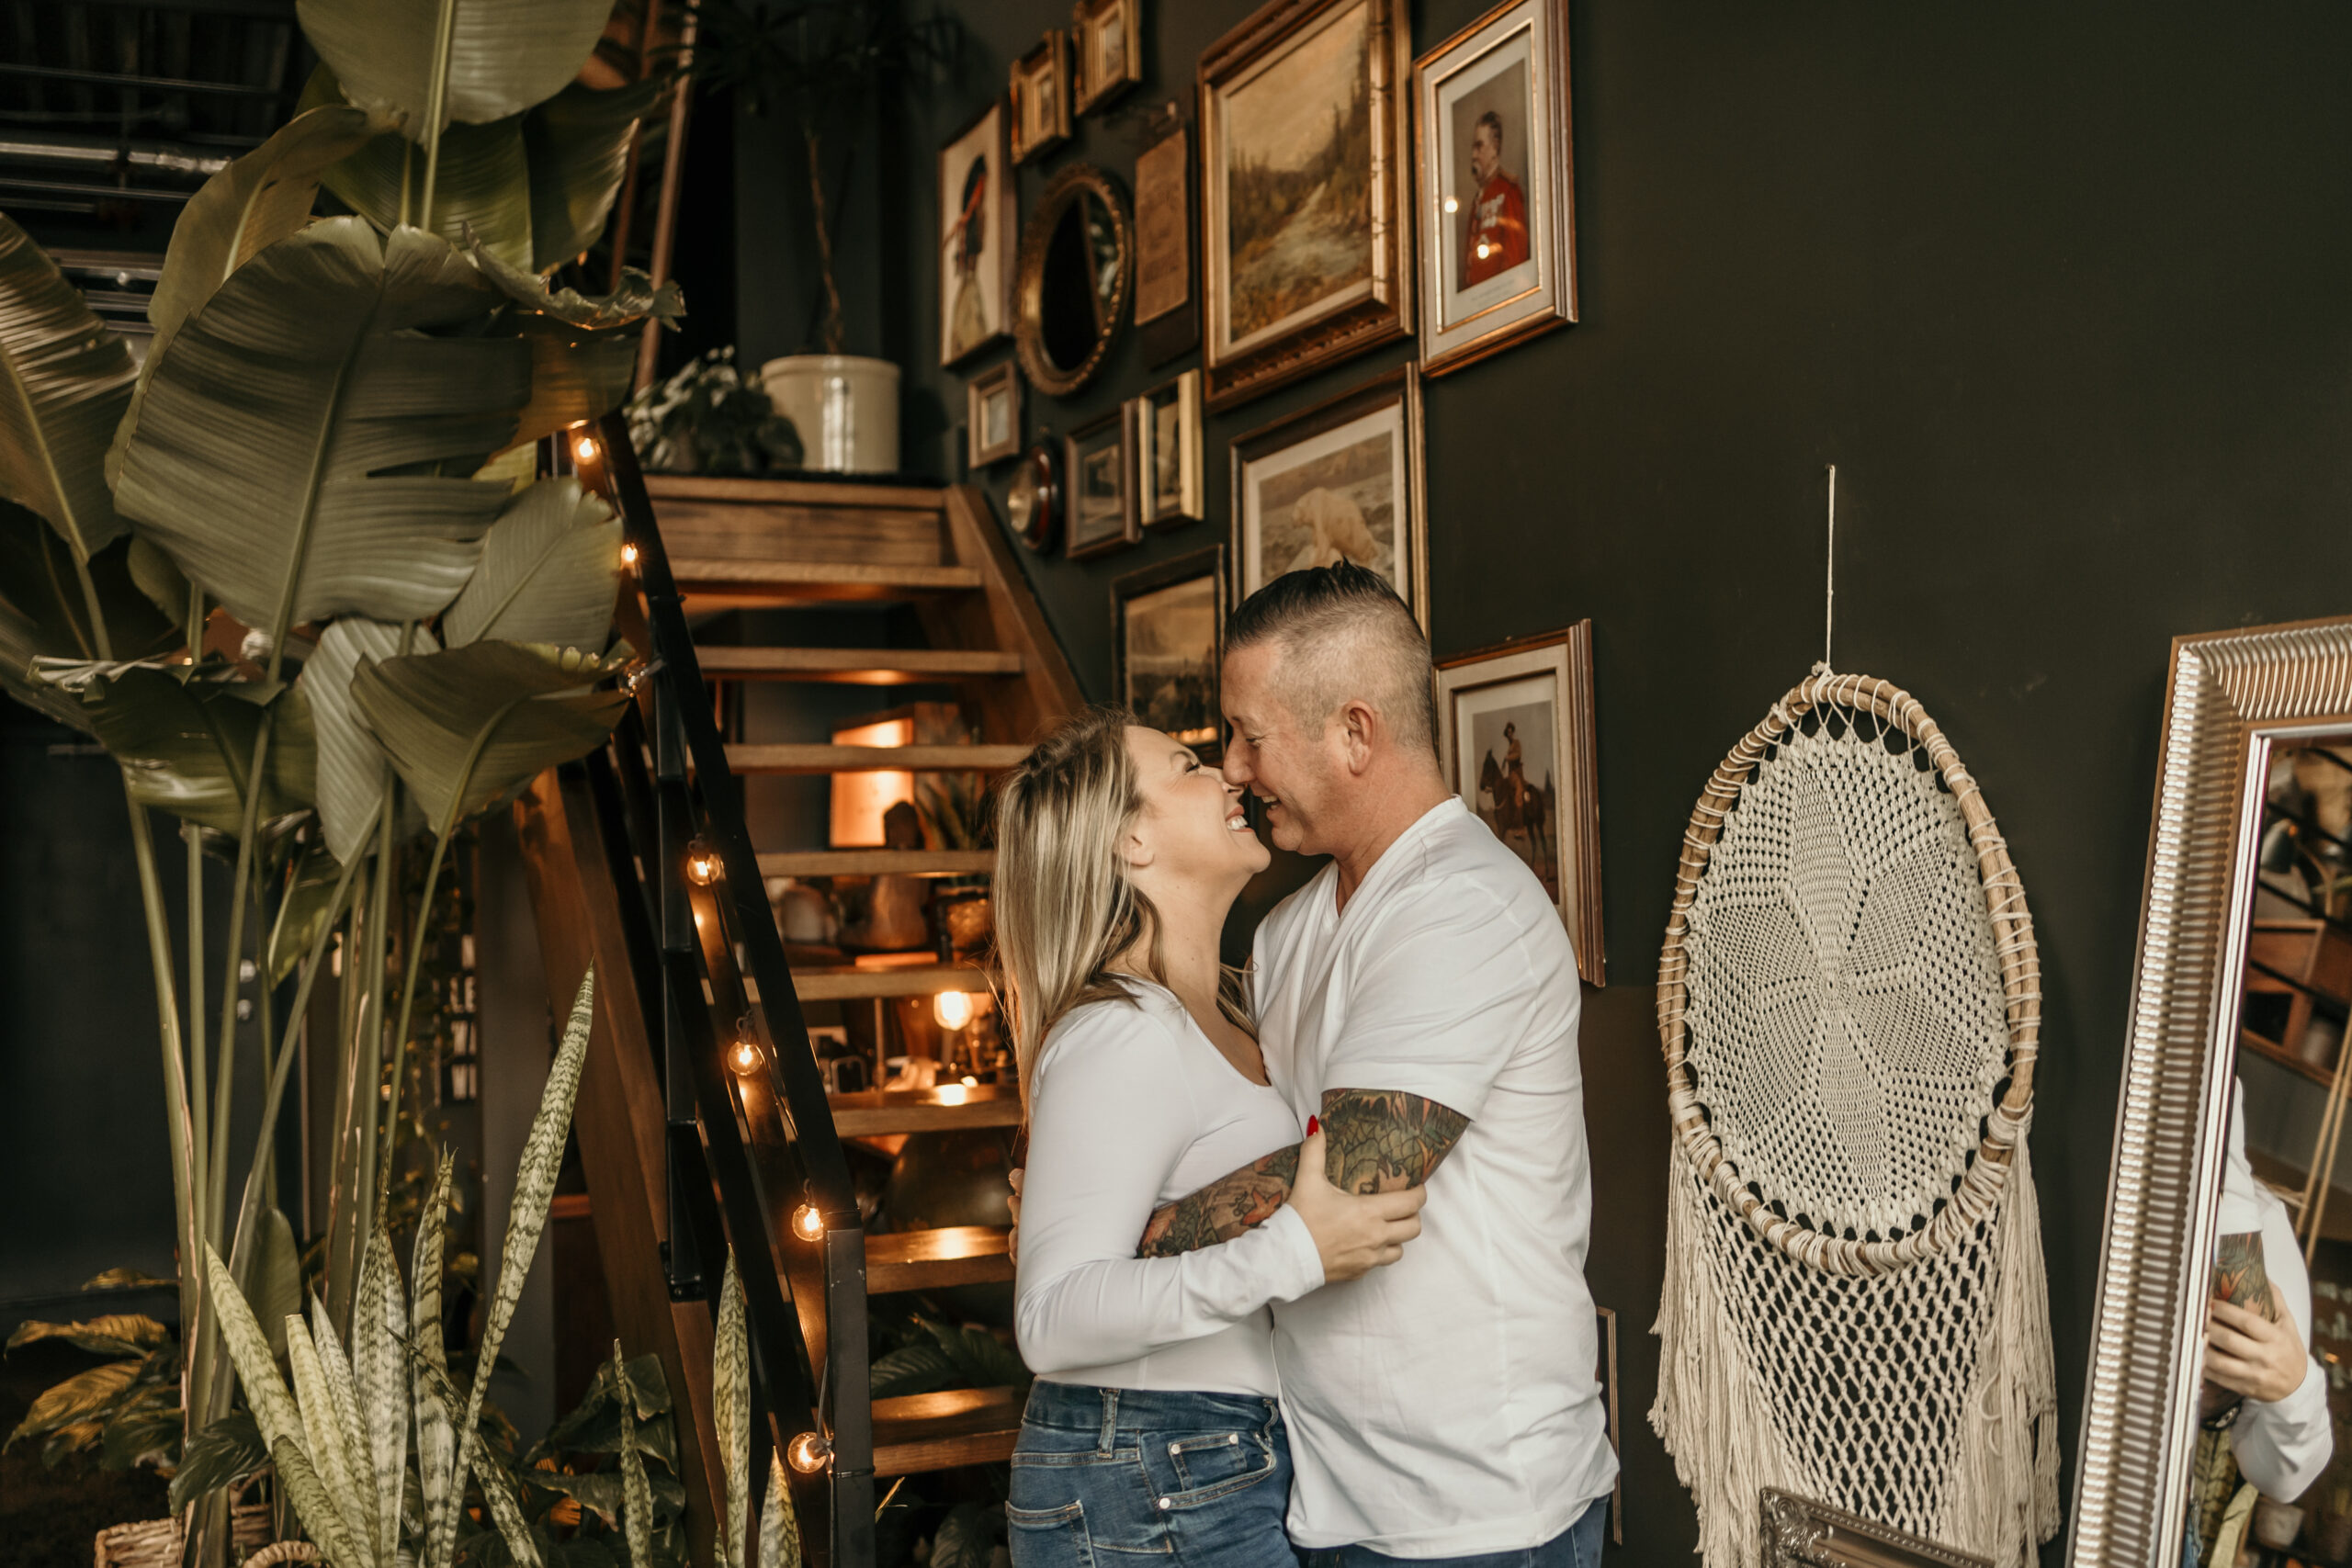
x: 1419, y: 998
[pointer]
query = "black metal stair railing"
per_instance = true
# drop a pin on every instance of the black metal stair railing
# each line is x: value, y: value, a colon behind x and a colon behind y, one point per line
x: 746, y: 1109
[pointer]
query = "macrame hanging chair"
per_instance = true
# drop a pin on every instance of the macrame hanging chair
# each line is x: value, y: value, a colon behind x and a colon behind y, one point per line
x: 1855, y: 1306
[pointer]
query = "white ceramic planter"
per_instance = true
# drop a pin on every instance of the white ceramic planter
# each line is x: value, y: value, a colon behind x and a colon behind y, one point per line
x: 844, y: 406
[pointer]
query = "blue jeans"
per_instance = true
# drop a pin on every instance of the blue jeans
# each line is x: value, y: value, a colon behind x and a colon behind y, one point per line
x: 1578, y: 1546
x: 1100, y: 1473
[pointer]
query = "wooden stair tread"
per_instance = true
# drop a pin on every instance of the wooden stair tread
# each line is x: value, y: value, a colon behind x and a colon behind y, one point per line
x: 856, y: 666
x: 879, y: 863
x: 935, y: 1431
x: 877, y: 1112
x: 933, y: 1259
x: 792, y: 492
x: 763, y: 581
x: 821, y: 759
x: 852, y: 982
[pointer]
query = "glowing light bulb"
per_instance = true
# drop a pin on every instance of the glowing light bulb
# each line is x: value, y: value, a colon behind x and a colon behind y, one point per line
x: 952, y: 1010
x: 1482, y: 252
x: 584, y: 449
x: 807, y: 1453
x: 971, y: 1082
x: 702, y: 864
x: 628, y: 554
x: 807, y: 1225
x: 1451, y: 205
x: 745, y: 1054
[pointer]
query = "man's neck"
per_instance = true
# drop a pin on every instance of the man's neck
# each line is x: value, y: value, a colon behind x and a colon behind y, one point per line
x: 1382, y: 819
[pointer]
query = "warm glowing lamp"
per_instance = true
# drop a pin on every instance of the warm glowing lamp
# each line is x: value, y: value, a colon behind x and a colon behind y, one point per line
x: 745, y: 1055
x: 809, y: 1452
x: 1451, y: 205
x: 952, y: 1010
x: 629, y: 556
x: 584, y: 449
x: 807, y: 1225
x: 702, y: 864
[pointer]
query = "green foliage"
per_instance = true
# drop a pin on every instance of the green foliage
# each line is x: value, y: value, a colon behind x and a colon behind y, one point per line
x: 223, y: 1454
x: 939, y: 1357
x: 709, y: 418
x: 968, y: 1536
x: 126, y: 1410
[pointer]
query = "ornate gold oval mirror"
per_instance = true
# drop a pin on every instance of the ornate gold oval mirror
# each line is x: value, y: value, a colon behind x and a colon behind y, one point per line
x: 1076, y: 252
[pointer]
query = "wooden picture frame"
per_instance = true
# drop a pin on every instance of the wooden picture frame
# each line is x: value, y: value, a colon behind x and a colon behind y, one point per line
x: 1607, y: 1317
x: 1167, y: 423
x: 1373, y: 507
x: 1040, y: 93
x: 978, y: 238
x: 1164, y: 226
x: 992, y: 415
x: 1106, y: 49
x: 1502, y: 713
x: 1289, y: 284
x: 1099, y: 488
x: 1494, y: 185
x: 1167, y: 634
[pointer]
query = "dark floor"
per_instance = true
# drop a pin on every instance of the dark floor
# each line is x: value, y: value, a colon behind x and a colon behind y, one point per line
x: 49, y: 1518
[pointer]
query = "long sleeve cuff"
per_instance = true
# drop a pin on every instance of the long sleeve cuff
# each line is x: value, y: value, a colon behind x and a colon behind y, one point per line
x: 2283, y: 1446
x: 1302, y: 1260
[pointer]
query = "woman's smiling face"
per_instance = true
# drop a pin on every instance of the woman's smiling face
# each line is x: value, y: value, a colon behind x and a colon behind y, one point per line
x: 1192, y: 827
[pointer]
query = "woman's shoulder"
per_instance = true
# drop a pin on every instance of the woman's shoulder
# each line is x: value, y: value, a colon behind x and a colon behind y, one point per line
x: 1135, y: 1024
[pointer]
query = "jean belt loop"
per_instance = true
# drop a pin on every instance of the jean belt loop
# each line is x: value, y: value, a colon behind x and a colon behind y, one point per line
x: 1108, y: 1441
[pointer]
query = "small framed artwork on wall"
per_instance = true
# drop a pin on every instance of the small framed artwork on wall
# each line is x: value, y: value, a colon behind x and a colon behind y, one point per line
x: 1166, y: 623
x: 1106, y: 44
x: 1166, y: 323
x: 1100, y: 466
x: 1515, y: 734
x: 1041, y: 98
x: 992, y: 414
x: 1305, y: 250
x: 1339, y: 482
x: 976, y: 238
x: 1168, y: 451
x: 1496, y: 187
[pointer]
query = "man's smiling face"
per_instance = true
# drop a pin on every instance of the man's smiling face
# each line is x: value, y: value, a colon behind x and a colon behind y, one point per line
x: 1269, y: 752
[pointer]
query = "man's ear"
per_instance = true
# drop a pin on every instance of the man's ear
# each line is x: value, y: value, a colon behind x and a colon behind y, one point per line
x: 1358, y: 724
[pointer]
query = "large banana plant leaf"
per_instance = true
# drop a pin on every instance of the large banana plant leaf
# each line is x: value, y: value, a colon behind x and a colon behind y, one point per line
x: 186, y: 744
x: 285, y: 451
x: 550, y: 570
x: 533, y: 188
x: 467, y: 724
x: 43, y: 614
x: 64, y: 380
x: 351, y: 764
x: 582, y: 361
x: 504, y: 55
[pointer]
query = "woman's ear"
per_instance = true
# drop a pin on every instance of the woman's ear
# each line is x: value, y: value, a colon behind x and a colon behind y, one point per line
x: 1134, y: 849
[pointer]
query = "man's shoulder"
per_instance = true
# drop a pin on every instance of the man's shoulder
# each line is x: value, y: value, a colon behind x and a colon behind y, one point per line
x: 1466, y: 880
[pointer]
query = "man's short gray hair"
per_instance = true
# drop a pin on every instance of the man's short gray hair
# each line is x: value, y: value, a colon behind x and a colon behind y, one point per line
x: 1343, y: 634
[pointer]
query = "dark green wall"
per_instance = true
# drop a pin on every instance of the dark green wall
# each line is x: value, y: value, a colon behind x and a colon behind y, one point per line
x: 2061, y: 289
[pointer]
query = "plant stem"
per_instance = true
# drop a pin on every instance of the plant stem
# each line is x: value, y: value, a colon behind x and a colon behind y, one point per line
x: 436, y: 102
x: 216, y: 1153
x: 192, y: 837
x: 833, y: 329
x: 167, y: 1027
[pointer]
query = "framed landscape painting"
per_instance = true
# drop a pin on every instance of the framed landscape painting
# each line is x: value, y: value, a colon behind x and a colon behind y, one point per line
x: 1166, y: 623
x: 1101, y: 475
x: 1168, y: 451
x: 1339, y: 482
x: 1106, y: 49
x: 1515, y: 733
x: 1496, y: 186
x: 1304, y: 172
x: 976, y: 238
x: 992, y: 415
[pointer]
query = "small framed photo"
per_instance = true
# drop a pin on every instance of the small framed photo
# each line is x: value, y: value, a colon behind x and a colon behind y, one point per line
x: 977, y: 237
x: 1106, y: 39
x: 1339, y: 481
x: 992, y: 414
x: 1041, y: 98
x: 1167, y: 624
x: 1496, y: 186
x: 1515, y: 733
x: 1168, y: 451
x: 1100, y: 467
x: 1164, y: 226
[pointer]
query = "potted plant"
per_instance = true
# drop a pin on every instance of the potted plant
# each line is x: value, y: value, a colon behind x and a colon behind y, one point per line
x: 822, y: 63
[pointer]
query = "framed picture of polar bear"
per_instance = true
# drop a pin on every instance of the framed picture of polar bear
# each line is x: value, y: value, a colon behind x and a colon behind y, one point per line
x: 1338, y: 482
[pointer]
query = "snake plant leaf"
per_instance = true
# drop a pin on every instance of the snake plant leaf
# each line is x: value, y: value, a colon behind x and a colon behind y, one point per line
x: 276, y: 1278
x: 550, y: 572
x: 527, y: 1218
x: 75, y: 1400
x: 315, y: 1505
x: 637, y: 1494
x: 116, y: 1333
x: 322, y: 1429
x: 221, y: 1455
x: 185, y: 746
x: 265, y: 1393
x: 65, y: 381
x: 343, y: 1391
x: 284, y: 449
x: 465, y: 725
x: 436, y: 1441
x: 504, y: 55
x: 730, y: 1404
x: 499, y: 1491
x: 780, y: 1525
x: 352, y: 766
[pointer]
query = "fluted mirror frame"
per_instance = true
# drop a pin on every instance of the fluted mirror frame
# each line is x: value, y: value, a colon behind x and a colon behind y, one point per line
x: 2230, y: 696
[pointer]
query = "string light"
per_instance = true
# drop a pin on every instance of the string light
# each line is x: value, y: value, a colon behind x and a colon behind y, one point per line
x: 584, y: 449
x: 702, y: 864
x: 629, y: 556
x: 745, y: 1055
x: 1482, y: 252
x: 808, y: 1453
x: 952, y: 1010
x: 807, y: 1225
x: 1451, y: 205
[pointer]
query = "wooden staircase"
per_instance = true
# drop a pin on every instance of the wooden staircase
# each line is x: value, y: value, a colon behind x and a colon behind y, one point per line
x: 680, y: 1153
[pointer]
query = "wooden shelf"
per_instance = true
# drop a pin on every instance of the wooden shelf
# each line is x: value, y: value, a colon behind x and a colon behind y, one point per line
x: 815, y: 759
x: 938, y: 1431
x: 879, y: 862
x: 790, y: 493
x: 879, y: 1112
x: 851, y: 983
x: 2271, y: 1050
x: 856, y: 666
x: 933, y: 1259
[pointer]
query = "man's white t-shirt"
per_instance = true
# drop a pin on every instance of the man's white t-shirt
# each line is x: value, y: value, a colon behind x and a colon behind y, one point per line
x: 1447, y: 1404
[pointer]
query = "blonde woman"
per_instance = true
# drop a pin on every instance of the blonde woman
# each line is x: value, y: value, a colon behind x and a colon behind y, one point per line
x: 1154, y: 1425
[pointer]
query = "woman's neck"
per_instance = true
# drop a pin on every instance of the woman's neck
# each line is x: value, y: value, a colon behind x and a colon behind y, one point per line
x: 1190, y: 934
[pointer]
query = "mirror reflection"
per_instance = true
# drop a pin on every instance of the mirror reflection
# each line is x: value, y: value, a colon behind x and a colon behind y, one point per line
x: 2269, y: 1474
x: 1073, y: 280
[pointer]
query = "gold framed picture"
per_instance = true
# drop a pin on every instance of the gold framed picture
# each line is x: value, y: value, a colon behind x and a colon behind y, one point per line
x: 1496, y: 187
x: 1306, y: 254
x: 1515, y: 733
x: 1166, y: 625
x: 1106, y: 49
x: 992, y: 415
x: 1164, y: 226
x: 1338, y: 482
x: 1099, y: 472
x: 1041, y: 96
x: 976, y: 239
x: 1167, y: 423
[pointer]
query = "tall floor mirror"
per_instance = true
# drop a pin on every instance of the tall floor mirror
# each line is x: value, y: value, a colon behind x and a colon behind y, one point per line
x: 2218, y: 1419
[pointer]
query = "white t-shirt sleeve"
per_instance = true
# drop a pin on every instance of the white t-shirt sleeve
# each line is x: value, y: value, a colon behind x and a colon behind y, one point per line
x: 1440, y: 995
x: 2283, y: 1447
x: 1101, y: 1144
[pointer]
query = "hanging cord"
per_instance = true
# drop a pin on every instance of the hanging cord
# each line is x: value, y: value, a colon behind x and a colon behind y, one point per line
x: 1829, y: 592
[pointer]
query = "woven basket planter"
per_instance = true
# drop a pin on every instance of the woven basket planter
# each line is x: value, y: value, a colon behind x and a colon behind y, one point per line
x: 158, y: 1543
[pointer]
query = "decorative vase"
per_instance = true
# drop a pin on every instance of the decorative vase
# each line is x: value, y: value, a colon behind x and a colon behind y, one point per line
x: 844, y: 406
x: 963, y: 918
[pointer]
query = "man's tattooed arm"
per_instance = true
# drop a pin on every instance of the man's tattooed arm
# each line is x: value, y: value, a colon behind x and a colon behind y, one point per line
x: 1375, y: 1141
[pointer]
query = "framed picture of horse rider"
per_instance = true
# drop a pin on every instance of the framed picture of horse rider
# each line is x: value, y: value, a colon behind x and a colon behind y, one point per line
x: 1515, y: 732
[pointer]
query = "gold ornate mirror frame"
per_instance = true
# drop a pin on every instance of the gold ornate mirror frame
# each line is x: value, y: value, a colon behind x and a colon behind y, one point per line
x: 2231, y: 698
x: 1067, y: 189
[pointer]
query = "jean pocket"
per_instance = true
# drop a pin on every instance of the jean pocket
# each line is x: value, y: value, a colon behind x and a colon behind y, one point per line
x: 1105, y: 1499
x: 1211, y: 1465
x: 1049, y: 1537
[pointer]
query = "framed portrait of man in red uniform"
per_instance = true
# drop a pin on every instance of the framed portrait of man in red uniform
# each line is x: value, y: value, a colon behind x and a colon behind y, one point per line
x: 1496, y: 203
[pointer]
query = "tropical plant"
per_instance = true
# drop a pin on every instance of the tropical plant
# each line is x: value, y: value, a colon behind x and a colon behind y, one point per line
x: 709, y: 418
x: 126, y: 1409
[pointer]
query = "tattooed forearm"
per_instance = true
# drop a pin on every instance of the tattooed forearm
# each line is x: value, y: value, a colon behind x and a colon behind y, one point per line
x: 1223, y: 1209
x: 1379, y: 1140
